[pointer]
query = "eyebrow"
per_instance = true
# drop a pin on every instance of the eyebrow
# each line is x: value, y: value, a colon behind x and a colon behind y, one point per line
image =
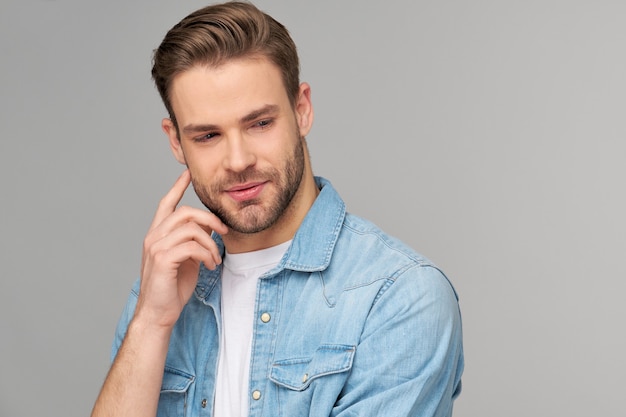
x: 263, y: 111
x: 255, y: 114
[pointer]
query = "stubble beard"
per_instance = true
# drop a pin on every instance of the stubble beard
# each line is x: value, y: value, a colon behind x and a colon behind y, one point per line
x: 252, y: 216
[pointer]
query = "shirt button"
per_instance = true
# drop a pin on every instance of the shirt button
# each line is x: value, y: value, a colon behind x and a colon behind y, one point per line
x: 204, y: 403
x: 305, y: 378
x: 265, y: 317
x: 256, y: 394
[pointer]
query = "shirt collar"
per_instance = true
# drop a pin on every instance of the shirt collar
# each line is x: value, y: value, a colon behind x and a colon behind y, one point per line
x: 315, y: 239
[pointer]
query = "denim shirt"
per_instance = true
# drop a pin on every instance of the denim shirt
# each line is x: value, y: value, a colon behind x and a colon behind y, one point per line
x: 351, y: 322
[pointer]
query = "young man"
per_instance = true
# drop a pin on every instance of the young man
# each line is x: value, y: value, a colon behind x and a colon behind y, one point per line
x: 313, y: 311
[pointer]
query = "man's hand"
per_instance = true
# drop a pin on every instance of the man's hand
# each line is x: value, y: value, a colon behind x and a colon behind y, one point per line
x: 178, y: 240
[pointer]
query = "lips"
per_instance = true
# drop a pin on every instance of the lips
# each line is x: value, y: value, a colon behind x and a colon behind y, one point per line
x: 243, y: 192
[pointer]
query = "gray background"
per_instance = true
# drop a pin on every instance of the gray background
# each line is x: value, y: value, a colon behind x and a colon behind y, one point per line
x: 487, y: 134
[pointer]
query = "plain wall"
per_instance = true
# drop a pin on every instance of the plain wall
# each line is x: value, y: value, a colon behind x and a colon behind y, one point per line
x: 489, y: 135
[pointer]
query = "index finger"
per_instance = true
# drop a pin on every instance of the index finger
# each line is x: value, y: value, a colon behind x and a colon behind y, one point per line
x: 170, y: 201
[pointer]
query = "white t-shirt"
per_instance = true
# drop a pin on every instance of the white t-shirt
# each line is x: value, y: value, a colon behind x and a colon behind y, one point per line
x: 240, y: 275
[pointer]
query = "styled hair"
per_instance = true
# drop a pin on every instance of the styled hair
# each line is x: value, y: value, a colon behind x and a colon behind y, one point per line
x: 215, y: 34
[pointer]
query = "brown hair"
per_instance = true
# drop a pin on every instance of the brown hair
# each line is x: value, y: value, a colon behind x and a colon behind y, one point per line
x: 214, y: 34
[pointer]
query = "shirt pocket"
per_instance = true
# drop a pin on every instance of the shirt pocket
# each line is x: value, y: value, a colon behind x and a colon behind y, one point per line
x: 324, y: 373
x: 174, y: 390
x: 299, y: 373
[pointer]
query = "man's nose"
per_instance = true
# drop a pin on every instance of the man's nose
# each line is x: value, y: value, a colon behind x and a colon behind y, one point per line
x: 239, y: 154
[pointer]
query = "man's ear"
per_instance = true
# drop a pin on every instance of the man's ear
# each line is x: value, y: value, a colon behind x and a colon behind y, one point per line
x: 304, y: 109
x: 170, y: 130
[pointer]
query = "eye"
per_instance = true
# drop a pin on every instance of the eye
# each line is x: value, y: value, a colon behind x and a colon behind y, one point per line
x: 263, y: 124
x: 205, y: 138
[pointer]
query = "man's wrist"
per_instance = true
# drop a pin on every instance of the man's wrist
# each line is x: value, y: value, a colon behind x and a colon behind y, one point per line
x: 146, y: 327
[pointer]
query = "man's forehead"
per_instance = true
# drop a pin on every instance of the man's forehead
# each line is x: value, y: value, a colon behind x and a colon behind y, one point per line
x: 235, y: 89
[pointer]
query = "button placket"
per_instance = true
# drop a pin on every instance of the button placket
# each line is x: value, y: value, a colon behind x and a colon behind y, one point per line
x: 268, y: 294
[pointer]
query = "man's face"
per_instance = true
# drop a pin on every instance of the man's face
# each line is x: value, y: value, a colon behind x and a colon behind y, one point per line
x: 241, y: 139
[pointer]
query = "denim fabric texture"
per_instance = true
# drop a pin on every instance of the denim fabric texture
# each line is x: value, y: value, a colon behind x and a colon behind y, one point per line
x: 351, y: 322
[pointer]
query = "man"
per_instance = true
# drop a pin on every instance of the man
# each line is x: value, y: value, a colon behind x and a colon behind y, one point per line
x: 313, y: 311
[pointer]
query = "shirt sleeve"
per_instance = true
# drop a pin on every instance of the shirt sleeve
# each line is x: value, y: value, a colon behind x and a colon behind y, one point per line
x: 124, y: 321
x: 409, y: 360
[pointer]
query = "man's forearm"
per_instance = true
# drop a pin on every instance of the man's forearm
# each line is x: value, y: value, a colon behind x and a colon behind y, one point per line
x: 133, y: 384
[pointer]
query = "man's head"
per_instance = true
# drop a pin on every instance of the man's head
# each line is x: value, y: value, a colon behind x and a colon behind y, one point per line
x: 228, y: 75
x: 216, y: 34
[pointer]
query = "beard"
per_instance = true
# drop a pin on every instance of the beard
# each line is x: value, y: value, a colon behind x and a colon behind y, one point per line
x: 252, y: 216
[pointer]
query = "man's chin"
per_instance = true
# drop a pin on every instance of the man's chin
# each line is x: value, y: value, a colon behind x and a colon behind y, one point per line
x: 249, y: 219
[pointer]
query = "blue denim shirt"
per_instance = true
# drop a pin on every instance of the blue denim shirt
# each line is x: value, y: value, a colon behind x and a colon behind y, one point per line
x: 351, y: 322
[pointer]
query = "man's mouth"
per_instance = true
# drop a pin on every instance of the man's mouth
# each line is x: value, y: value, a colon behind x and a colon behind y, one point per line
x: 248, y: 191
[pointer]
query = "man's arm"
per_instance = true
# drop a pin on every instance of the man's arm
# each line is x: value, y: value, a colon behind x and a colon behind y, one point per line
x: 410, y: 358
x: 133, y: 384
x: 177, y: 242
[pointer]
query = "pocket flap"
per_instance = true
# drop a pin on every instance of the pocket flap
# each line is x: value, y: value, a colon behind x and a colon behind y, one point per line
x: 297, y: 373
x: 175, y: 380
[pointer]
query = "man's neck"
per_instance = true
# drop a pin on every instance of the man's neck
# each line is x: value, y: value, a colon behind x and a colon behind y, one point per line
x: 283, y: 230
